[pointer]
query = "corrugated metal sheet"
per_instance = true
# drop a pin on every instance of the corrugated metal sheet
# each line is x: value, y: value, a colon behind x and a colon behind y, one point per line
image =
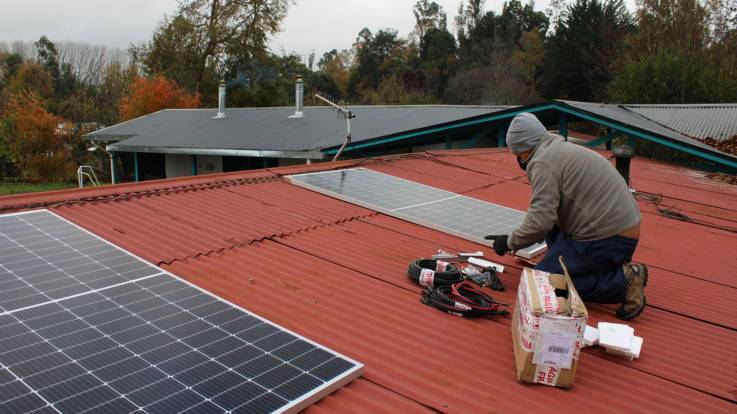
x: 629, y: 118
x: 447, y: 363
x: 336, y: 273
x: 718, y: 121
x: 186, y: 223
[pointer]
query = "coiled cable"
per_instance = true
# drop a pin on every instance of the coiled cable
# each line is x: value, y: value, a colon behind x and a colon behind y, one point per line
x: 426, y: 273
x: 462, y: 299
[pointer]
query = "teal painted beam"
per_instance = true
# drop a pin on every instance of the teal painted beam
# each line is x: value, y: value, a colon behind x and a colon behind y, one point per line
x: 604, y: 139
x: 409, y: 135
x: 194, y: 164
x: 634, y: 133
x: 477, y: 137
x: 135, y: 167
x: 563, y: 125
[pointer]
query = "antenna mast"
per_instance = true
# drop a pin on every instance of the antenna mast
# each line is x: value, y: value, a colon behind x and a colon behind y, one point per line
x: 344, y: 113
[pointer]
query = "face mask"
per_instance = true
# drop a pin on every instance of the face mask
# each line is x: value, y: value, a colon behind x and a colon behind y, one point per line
x: 522, y: 164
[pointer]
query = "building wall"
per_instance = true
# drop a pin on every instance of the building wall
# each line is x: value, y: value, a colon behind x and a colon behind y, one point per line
x: 293, y: 161
x: 178, y: 165
x: 209, y: 164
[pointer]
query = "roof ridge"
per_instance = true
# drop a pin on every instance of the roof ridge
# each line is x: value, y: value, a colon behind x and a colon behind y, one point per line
x: 687, y: 106
x: 127, y: 195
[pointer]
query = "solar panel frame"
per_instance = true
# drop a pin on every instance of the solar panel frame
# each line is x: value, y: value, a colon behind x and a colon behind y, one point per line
x: 418, y: 210
x: 111, y: 326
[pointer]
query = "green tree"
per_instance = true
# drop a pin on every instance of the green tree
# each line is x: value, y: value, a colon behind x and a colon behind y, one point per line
x: 438, y: 59
x: 485, y: 36
x: 190, y: 46
x: 675, y: 58
x: 377, y: 57
x: 428, y: 15
x: 48, y: 56
x: 268, y: 81
x: 582, y: 53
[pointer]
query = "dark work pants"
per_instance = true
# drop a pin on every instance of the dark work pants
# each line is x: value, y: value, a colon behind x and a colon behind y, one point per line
x: 595, y: 266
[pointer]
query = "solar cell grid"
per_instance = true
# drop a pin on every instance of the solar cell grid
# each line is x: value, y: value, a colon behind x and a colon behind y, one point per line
x: 46, y: 258
x: 442, y: 210
x: 149, y: 343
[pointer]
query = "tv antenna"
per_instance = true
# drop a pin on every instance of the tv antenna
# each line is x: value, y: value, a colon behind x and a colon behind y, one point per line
x: 344, y: 113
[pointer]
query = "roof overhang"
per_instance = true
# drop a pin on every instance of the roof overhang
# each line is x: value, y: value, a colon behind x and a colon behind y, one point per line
x: 548, y: 110
x: 312, y: 155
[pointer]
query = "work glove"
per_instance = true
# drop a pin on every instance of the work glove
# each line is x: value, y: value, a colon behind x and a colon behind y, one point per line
x: 500, y: 243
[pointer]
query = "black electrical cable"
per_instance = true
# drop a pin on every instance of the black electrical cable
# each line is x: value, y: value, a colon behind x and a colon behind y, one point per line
x: 433, y: 277
x: 462, y: 299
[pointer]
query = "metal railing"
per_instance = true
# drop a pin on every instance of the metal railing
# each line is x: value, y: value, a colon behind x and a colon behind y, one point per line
x: 87, y: 171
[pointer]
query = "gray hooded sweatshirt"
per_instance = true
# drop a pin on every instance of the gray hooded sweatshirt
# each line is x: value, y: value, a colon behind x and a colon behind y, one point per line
x: 577, y: 189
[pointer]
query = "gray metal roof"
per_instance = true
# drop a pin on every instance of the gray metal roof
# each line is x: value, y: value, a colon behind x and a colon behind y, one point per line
x: 271, y: 129
x: 622, y: 115
x: 718, y: 121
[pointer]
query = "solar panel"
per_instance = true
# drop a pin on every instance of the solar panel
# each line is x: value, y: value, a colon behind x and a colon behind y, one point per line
x: 432, y: 207
x: 46, y: 258
x: 150, y: 343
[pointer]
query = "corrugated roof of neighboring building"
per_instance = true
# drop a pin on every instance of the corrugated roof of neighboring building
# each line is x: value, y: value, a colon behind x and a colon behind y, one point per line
x: 272, y: 129
x: 335, y: 273
x: 718, y: 121
x: 634, y: 119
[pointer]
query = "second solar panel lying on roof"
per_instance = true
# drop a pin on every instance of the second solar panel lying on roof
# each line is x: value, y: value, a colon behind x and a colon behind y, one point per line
x: 432, y: 207
x: 153, y: 344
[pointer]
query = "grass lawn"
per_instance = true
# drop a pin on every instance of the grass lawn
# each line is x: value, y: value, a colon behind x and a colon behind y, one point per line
x: 16, y: 188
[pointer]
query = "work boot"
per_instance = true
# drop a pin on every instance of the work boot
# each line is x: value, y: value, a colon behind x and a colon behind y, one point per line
x: 634, y: 302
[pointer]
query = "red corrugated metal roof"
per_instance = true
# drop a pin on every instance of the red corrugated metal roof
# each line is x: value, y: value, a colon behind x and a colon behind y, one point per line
x: 335, y: 273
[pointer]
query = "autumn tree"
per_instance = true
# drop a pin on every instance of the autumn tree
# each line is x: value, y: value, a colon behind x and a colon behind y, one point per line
x: 35, y: 141
x: 30, y: 77
x: 149, y: 95
x: 336, y: 66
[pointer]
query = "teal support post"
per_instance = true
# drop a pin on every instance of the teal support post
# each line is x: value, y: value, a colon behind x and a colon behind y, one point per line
x: 477, y: 137
x: 135, y: 167
x: 609, y: 143
x: 563, y: 125
x: 114, y: 167
x: 501, y: 139
x: 194, y: 164
x: 605, y: 139
x: 448, y: 143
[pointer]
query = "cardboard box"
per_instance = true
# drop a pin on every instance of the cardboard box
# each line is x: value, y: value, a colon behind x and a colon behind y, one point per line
x: 547, y: 342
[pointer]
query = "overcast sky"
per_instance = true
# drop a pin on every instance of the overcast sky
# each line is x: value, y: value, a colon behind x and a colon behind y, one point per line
x: 319, y: 25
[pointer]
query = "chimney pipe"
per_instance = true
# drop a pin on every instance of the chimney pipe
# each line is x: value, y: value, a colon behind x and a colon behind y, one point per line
x: 623, y: 155
x: 221, y: 100
x: 299, y: 98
